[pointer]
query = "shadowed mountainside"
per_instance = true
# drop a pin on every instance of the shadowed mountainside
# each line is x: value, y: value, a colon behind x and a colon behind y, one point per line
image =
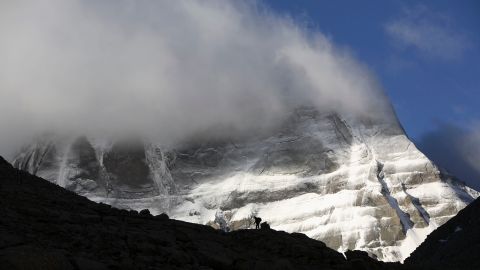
x: 455, y: 245
x: 44, y: 226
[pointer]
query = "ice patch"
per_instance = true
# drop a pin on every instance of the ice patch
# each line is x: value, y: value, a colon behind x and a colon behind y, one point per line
x: 415, y: 236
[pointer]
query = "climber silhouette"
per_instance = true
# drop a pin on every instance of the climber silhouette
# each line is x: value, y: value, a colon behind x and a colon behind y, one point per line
x: 257, y: 222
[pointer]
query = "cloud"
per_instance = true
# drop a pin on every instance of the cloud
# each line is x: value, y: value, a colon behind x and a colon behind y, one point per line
x: 455, y: 149
x: 429, y: 33
x: 166, y: 68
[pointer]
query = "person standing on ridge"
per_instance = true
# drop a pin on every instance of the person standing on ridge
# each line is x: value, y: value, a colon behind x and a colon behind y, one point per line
x: 257, y: 222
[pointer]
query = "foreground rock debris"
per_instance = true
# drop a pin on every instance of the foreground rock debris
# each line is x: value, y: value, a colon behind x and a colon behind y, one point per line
x: 44, y: 226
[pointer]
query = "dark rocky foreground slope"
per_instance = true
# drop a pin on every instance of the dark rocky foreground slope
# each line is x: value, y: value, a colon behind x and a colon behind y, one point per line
x: 43, y: 226
x: 455, y: 245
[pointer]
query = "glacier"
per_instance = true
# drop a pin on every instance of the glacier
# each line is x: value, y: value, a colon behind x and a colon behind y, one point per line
x: 352, y: 182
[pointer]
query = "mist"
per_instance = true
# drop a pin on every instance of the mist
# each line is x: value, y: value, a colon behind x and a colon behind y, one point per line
x: 456, y: 149
x: 166, y: 69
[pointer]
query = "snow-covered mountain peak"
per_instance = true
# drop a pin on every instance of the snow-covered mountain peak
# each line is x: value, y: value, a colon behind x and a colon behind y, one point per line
x: 352, y: 182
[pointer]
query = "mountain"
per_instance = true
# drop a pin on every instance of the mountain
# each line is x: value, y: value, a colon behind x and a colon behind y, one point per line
x: 455, y: 245
x: 47, y: 227
x: 353, y: 182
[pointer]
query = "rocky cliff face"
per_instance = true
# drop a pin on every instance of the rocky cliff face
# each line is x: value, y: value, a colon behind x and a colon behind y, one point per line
x: 351, y: 182
x: 118, y: 169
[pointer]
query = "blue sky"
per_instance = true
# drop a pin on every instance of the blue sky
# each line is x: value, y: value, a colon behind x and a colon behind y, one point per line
x: 426, y: 55
x: 431, y: 73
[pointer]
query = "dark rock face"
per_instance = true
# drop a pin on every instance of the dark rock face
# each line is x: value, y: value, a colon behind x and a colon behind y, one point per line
x: 126, y: 164
x: 46, y: 227
x: 83, y: 152
x: 454, y: 245
x: 85, y: 173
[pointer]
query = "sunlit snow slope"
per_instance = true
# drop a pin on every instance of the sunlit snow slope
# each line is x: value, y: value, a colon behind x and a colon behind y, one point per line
x: 352, y: 183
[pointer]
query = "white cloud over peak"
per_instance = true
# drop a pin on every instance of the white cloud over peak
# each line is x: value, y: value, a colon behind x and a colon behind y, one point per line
x: 166, y: 68
x: 457, y: 149
x: 471, y: 149
x: 430, y: 33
